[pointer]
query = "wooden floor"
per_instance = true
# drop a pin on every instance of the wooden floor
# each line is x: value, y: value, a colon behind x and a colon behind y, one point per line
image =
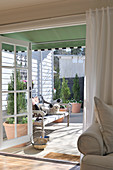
x: 12, y: 163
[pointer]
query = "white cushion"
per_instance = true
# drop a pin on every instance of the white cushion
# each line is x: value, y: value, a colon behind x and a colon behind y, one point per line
x: 105, y: 115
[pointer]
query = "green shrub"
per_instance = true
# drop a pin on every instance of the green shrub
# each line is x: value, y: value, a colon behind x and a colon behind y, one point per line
x: 65, y: 91
x: 20, y: 98
x: 76, y: 89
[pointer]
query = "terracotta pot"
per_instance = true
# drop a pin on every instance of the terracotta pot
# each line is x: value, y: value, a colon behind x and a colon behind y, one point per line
x: 63, y: 110
x: 59, y: 120
x: 10, y: 131
x: 76, y: 107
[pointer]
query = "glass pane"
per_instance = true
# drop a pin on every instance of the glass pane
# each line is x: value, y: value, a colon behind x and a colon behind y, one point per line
x: 21, y: 79
x: 21, y: 103
x: 7, y: 104
x: 8, y: 128
x: 21, y: 57
x: 22, y: 126
x: 7, y: 79
x: 7, y: 56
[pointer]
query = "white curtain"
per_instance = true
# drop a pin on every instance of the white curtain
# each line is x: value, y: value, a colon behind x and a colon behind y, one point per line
x: 99, y: 60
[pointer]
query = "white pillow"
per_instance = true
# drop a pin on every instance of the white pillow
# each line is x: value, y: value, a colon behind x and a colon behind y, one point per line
x: 105, y: 115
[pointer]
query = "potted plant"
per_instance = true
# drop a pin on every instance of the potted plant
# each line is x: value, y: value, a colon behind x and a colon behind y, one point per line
x: 62, y: 108
x: 76, y: 102
x: 21, y: 107
x: 65, y: 94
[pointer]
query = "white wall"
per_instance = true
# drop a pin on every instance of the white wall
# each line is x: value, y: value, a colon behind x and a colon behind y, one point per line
x: 46, y: 86
x: 70, y: 65
x: 47, y: 74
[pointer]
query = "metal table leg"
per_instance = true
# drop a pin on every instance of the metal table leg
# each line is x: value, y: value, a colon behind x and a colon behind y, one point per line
x: 43, y: 131
x: 68, y: 116
x: 68, y: 120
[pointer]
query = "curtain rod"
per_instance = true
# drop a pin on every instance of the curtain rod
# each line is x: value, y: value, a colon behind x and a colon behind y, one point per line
x: 48, y: 42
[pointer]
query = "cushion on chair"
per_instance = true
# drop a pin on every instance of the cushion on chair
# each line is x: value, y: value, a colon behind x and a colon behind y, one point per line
x: 105, y: 115
x: 96, y: 162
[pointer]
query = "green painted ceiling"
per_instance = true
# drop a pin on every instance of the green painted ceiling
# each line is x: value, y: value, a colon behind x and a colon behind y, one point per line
x: 49, y: 37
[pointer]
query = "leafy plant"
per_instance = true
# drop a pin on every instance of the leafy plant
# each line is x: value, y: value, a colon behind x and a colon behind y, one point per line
x: 62, y: 106
x: 21, y: 120
x: 76, y: 89
x: 20, y: 98
x: 65, y: 91
x: 74, y: 101
x: 10, y: 120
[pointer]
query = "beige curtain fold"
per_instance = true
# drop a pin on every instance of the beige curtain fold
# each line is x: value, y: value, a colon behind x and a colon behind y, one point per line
x: 99, y: 60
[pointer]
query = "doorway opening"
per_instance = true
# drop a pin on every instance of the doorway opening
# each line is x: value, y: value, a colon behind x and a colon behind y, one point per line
x: 43, y: 76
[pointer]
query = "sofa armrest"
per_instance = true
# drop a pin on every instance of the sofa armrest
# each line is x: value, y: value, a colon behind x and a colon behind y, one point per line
x: 91, y: 141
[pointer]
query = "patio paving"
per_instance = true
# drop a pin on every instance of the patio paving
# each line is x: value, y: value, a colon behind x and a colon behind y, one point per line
x: 63, y: 139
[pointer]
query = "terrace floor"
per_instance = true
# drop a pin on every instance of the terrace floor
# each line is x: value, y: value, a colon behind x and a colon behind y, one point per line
x: 63, y: 139
x: 7, y: 162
